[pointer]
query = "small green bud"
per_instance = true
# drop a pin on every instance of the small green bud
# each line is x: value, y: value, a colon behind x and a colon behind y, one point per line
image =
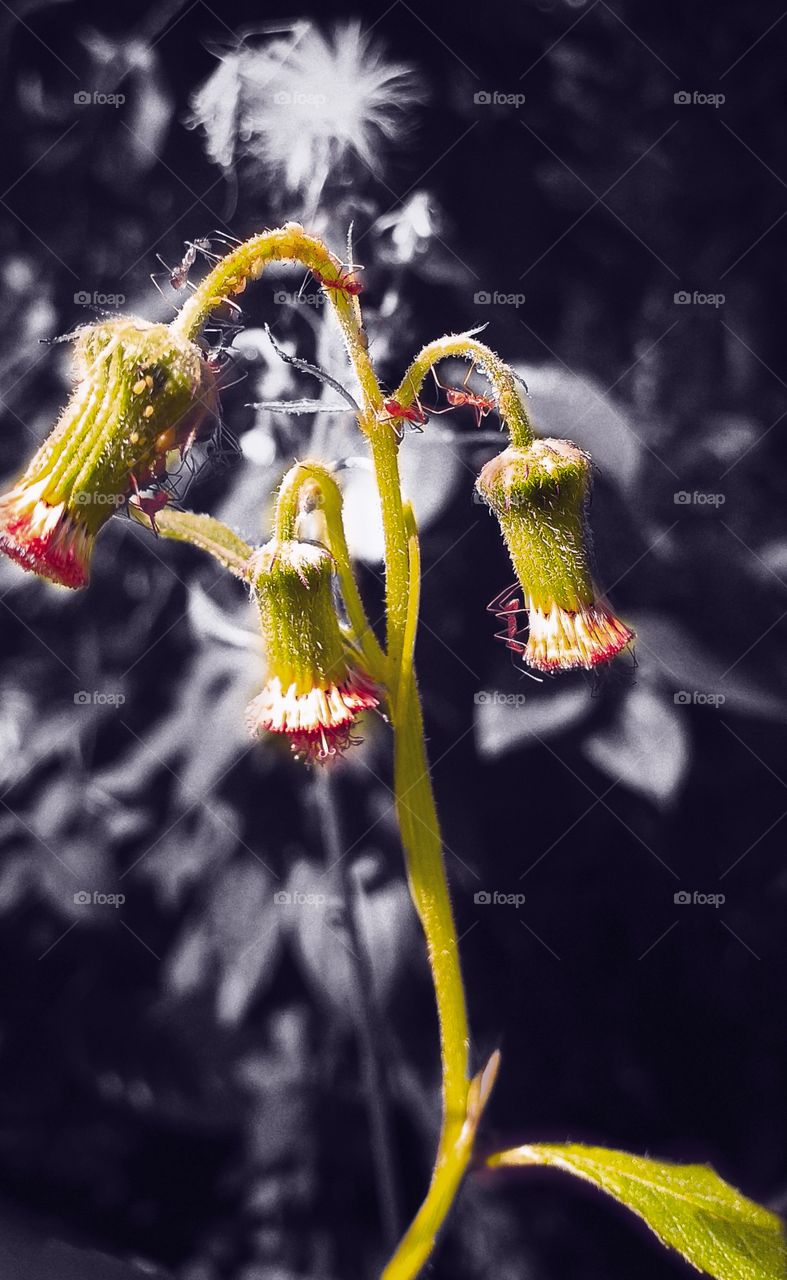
x: 540, y: 495
x: 315, y: 688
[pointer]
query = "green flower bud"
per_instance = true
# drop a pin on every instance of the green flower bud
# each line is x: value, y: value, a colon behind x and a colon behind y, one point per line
x: 315, y: 688
x: 141, y: 394
x: 540, y: 495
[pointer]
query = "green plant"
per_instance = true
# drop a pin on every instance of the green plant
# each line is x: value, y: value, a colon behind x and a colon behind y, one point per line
x: 144, y: 392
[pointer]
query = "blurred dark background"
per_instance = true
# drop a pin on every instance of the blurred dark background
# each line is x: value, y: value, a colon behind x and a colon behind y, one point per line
x: 181, y: 1085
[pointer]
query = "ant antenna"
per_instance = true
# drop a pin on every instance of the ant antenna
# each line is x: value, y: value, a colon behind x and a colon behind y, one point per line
x: 223, y: 237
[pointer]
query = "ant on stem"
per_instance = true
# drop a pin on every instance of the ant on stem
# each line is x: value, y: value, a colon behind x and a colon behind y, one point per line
x: 458, y: 397
x: 345, y: 282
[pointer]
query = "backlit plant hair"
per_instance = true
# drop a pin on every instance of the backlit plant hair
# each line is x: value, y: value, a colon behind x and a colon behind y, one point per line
x: 143, y: 392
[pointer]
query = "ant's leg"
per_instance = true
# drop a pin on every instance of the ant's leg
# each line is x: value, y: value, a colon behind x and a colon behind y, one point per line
x: 439, y: 384
x: 467, y: 375
x: 504, y: 599
x: 202, y: 247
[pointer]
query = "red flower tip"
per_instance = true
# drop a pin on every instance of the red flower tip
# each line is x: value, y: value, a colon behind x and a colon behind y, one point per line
x: 318, y: 723
x: 47, y: 539
x: 560, y: 639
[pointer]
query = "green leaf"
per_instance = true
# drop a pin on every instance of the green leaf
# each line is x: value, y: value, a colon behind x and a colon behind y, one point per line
x: 201, y: 531
x: 688, y: 1206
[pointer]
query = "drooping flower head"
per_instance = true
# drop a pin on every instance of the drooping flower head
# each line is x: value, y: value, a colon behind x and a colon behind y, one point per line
x: 315, y: 686
x: 540, y: 495
x: 141, y: 392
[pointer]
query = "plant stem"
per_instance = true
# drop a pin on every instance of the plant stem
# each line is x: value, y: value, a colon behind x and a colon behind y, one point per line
x: 289, y: 243
x: 501, y: 377
x: 395, y: 538
x: 422, y: 844
x: 200, y: 531
x: 311, y: 480
x: 415, y: 801
x: 370, y: 1031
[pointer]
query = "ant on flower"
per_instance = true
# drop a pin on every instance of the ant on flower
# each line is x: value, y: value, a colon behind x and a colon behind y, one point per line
x: 506, y: 608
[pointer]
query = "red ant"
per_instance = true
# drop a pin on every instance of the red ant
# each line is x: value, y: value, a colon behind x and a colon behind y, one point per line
x: 459, y: 396
x: 345, y: 282
x: 506, y: 607
x: 148, y: 505
x: 413, y: 413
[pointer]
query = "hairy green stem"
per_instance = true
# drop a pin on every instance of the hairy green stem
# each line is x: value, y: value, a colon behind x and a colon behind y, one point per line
x: 289, y: 243
x: 308, y: 485
x: 500, y: 375
x: 415, y: 801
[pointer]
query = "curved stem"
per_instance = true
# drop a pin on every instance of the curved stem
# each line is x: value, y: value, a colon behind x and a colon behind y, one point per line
x: 289, y: 243
x: 204, y: 532
x: 420, y: 830
x: 312, y: 484
x: 499, y: 374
